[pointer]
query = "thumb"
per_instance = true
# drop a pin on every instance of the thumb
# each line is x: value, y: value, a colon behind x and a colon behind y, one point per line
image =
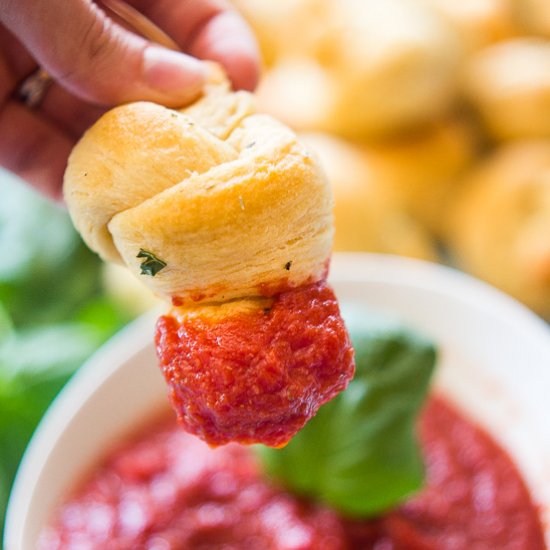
x: 98, y: 60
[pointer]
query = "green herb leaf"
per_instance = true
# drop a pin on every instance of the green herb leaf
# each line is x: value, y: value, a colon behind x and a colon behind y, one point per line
x: 46, y: 271
x: 53, y: 314
x: 151, y: 265
x: 360, y: 454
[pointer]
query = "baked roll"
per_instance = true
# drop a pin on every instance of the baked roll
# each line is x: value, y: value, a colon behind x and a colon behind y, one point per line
x: 285, y: 27
x: 500, y: 225
x: 533, y: 15
x: 376, y: 69
x: 479, y: 22
x: 225, y: 214
x: 367, y: 215
x: 424, y: 169
x: 509, y: 85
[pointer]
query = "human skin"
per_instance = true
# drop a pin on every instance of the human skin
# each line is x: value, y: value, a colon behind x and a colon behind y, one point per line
x: 96, y: 63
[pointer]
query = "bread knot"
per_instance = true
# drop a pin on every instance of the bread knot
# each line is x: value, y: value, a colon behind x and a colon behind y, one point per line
x: 209, y: 203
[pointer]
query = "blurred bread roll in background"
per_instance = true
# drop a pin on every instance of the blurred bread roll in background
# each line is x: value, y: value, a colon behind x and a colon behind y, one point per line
x: 532, y: 15
x: 377, y: 68
x: 424, y: 169
x: 500, y: 227
x: 285, y: 27
x: 394, y: 196
x: 478, y: 22
x: 509, y: 85
x: 367, y: 216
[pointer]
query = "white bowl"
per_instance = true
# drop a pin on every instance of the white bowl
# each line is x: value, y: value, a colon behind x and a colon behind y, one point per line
x: 495, y: 365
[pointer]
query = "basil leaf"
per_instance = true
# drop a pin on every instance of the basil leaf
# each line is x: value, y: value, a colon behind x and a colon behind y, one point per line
x: 32, y: 356
x: 35, y: 363
x: 46, y: 271
x: 360, y: 453
x: 151, y: 265
x: 53, y: 314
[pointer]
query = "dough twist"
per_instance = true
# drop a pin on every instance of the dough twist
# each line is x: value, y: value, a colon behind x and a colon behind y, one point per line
x: 228, y: 199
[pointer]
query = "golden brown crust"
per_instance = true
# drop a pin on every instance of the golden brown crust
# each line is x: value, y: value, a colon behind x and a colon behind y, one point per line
x: 500, y: 226
x: 509, y: 84
x: 216, y: 312
x: 229, y: 200
x: 285, y: 27
x: 132, y: 153
x: 424, y: 169
x: 533, y: 15
x: 478, y: 22
x: 362, y: 77
x: 367, y: 215
x: 220, y: 110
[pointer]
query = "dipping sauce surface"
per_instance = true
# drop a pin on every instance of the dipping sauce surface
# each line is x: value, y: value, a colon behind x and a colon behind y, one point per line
x: 168, y: 490
x: 256, y: 376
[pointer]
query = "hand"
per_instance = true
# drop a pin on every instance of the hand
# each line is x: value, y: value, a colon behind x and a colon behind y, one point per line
x: 96, y: 63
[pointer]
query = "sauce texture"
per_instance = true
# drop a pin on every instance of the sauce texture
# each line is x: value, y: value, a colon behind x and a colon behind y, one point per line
x: 256, y: 376
x: 168, y: 490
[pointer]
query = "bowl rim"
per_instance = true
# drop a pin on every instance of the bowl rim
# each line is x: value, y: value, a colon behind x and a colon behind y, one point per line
x: 346, y: 267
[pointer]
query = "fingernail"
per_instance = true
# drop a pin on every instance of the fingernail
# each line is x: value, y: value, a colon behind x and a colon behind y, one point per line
x: 172, y: 73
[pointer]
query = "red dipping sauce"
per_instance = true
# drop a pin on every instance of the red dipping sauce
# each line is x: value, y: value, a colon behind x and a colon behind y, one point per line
x: 168, y: 490
x: 256, y: 376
